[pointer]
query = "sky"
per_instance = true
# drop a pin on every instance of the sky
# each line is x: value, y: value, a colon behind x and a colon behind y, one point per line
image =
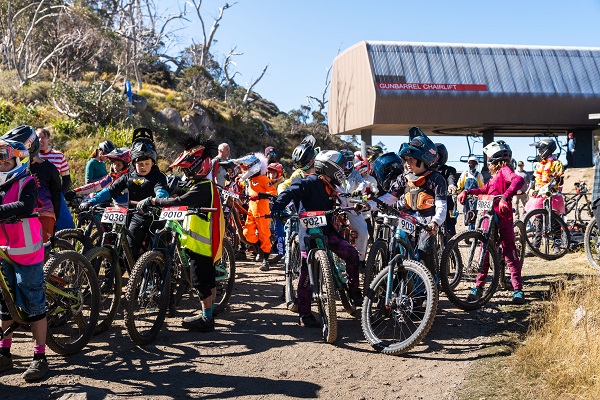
x: 298, y: 40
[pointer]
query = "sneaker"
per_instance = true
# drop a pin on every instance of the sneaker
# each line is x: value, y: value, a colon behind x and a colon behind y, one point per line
x: 37, y: 370
x: 6, y: 363
x: 198, y: 323
x: 309, y: 321
x: 293, y: 306
x: 356, y: 297
x: 518, y: 297
x: 264, y: 266
x: 475, y: 294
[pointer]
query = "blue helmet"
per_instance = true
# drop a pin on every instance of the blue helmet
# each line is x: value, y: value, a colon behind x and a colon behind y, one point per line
x: 17, y: 150
x: 421, y: 148
x: 386, y: 169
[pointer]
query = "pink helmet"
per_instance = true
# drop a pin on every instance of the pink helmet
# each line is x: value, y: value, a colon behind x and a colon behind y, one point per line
x: 122, y: 154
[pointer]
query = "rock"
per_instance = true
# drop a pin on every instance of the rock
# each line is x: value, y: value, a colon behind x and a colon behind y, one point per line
x: 139, y: 102
x: 169, y: 116
x: 578, y: 315
x: 199, y: 121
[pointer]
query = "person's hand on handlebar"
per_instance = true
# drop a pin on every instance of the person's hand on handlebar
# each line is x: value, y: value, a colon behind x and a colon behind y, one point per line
x: 434, y: 228
x: 462, y: 196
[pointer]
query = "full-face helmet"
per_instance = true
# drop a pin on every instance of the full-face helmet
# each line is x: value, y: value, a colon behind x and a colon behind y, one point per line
x: 331, y: 164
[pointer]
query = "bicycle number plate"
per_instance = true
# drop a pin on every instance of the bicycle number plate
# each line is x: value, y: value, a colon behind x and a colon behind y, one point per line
x: 173, y: 213
x: 406, y: 223
x: 114, y: 215
x: 312, y: 219
x: 227, y: 193
x: 485, y: 203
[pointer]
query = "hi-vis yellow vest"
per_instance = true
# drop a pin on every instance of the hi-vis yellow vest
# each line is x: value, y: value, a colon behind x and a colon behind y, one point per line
x: 205, y: 237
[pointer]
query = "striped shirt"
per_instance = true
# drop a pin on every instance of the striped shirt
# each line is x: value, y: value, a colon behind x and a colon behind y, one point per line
x: 58, y: 159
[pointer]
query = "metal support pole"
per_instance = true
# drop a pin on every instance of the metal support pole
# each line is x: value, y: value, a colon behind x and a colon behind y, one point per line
x: 366, y: 138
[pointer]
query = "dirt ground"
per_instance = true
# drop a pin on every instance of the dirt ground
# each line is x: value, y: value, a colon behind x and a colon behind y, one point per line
x: 259, y: 352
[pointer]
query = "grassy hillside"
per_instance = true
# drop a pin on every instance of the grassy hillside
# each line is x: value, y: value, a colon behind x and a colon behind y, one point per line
x: 246, y: 129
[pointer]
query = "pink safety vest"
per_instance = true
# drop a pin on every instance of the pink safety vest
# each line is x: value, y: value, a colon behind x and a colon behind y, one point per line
x: 23, y: 239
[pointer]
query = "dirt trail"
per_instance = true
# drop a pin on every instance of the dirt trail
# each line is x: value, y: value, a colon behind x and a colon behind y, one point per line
x: 259, y: 352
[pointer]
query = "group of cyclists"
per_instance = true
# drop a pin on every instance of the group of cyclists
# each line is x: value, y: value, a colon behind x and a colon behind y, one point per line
x: 415, y: 179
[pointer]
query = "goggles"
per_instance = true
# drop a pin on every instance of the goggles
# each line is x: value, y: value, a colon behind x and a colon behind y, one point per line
x: 7, y: 152
x: 417, y: 142
x: 272, y: 153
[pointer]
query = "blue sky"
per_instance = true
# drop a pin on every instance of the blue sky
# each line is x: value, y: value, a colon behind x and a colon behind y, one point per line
x: 300, y: 39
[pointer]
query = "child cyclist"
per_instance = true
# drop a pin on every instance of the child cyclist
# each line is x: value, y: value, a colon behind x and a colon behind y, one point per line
x: 318, y: 193
x: 421, y: 191
x: 303, y: 158
x: 257, y: 229
x: 505, y: 183
x: 203, y: 238
x: 143, y: 181
x: 24, y: 246
x: 119, y: 159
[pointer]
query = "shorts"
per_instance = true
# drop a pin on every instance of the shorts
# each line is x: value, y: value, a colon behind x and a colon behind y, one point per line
x: 29, y: 288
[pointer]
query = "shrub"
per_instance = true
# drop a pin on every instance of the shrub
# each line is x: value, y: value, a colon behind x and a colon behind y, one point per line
x: 91, y: 104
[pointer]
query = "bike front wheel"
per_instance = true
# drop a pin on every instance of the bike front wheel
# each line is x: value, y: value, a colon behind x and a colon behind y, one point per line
x: 147, y: 297
x: 71, y: 321
x: 324, y: 292
x: 469, y: 270
x: 397, y: 327
x: 108, y: 270
x: 292, y: 274
x: 549, y: 237
x: 591, y: 243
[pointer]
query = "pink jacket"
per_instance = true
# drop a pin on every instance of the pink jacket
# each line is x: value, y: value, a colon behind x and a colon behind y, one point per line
x: 505, y: 183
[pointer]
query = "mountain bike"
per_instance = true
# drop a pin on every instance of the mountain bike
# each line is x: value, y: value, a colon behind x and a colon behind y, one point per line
x: 72, y: 300
x: 149, y: 289
x: 547, y: 236
x: 111, y: 259
x: 326, y: 276
x: 89, y: 229
x: 292, y: 260
x: 378, y: 256
x: 579, y: 203
x: 474, y: 259
x: 400, y: 306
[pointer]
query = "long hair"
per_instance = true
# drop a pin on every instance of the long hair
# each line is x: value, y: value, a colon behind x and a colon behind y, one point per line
x: 494, y: 168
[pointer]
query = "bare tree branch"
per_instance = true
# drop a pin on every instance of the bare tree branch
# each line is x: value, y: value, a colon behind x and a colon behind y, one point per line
x: 246, y: 99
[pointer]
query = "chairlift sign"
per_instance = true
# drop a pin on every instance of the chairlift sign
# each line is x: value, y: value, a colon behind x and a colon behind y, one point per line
x: 451, y: 87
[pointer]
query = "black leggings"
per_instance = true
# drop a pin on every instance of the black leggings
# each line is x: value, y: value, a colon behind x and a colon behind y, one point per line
x: 202, y: 273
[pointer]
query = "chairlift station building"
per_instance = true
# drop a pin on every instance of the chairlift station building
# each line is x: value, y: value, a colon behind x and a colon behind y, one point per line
x: 384, y: 88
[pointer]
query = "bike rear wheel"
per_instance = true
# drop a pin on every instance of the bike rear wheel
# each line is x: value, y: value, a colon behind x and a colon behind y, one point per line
x: 324, y: 291
x: 554, y: 238
x: 376, y: 262
x: 147, y: 297
x: 591, y: 243
x: 292, y: 274
x: 75, y: 238
x: 71, y: 324
x: 108, y: 270
x: 225, y: 277
x: 464, y: 266
x: 397, y: 328
x: 584, y: 214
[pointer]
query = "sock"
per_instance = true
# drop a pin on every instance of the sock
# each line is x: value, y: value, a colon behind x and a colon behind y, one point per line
x: 207, y: 313
x: 39, y: 352
x: 5, y: 347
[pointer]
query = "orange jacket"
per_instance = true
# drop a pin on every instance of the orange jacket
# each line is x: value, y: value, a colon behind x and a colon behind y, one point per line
x: 260, y: 184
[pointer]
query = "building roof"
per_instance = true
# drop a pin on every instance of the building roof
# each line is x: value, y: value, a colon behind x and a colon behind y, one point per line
x: 447, y: 88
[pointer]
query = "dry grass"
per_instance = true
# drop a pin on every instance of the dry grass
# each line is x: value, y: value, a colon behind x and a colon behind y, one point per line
x: 561, y: 355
